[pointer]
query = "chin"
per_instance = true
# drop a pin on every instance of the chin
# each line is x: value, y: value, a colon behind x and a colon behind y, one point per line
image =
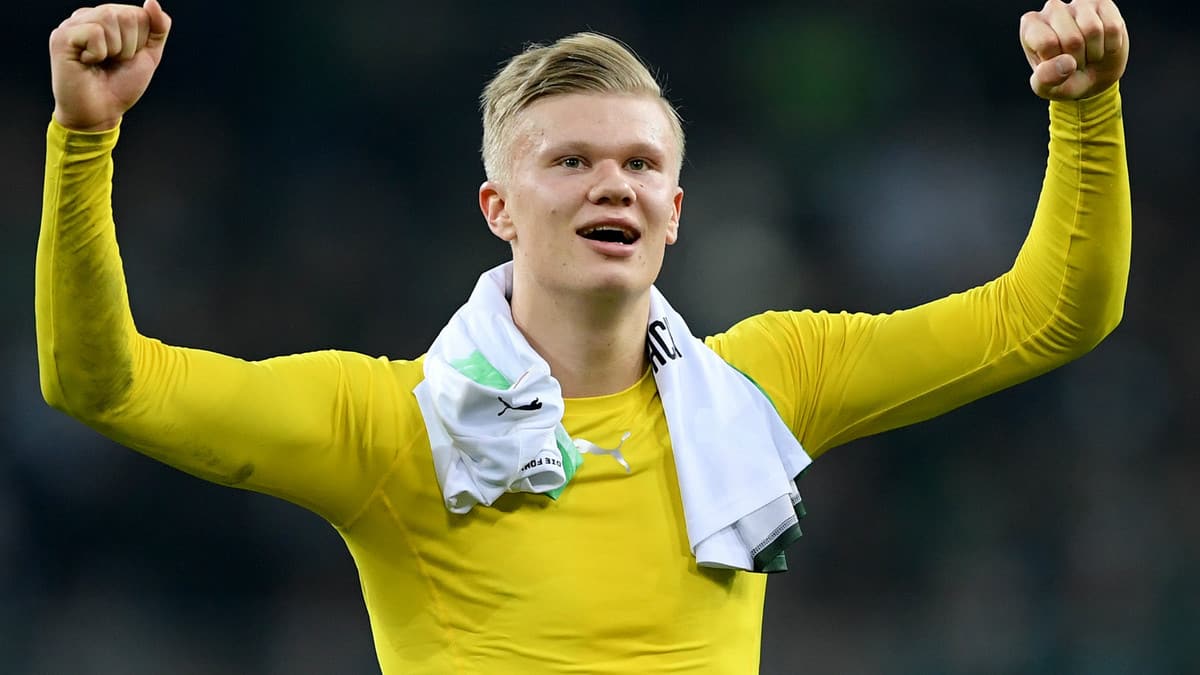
x: 612, y: 280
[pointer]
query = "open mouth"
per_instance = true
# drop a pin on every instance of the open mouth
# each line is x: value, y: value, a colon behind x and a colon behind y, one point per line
x: 613, y: 234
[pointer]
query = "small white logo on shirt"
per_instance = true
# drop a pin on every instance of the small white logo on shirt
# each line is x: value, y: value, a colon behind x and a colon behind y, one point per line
x: 590, y: 448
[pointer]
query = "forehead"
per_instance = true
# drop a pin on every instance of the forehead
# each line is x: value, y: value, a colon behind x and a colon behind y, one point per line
x: 601, y: 120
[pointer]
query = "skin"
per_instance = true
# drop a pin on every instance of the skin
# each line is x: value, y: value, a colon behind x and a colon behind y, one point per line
x: 1076, y: 50
x: 575, y: 160
x: 101, y: 62
x: 584, y: 311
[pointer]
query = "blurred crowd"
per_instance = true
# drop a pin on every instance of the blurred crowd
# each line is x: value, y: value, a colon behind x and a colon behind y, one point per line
x: 302, y: 176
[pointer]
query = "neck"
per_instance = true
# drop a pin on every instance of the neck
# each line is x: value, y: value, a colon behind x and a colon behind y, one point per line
x: 594, y: 345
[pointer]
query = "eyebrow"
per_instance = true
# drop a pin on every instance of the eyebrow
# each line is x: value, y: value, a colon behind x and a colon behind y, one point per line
x: 636, y: 149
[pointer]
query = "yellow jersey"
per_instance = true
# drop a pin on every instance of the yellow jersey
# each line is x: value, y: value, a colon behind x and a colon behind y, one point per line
x: 601, y: 580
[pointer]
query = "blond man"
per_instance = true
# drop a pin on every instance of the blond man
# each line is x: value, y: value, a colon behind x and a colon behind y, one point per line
x: 580, y: 537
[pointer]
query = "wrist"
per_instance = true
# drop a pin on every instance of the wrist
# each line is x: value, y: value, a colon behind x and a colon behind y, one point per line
x: 85, y: 126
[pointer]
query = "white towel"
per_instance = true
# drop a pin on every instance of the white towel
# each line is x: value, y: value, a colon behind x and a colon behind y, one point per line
x: 494, y: 416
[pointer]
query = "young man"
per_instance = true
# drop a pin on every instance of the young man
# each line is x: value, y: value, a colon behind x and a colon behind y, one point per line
x: 437, y: 471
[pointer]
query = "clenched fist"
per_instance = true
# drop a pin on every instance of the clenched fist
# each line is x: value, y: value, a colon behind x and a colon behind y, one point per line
x: 1076, y: 49
x: 101, y: 61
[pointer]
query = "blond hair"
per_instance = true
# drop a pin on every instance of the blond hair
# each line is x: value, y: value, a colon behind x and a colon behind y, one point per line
x: 579, y: 63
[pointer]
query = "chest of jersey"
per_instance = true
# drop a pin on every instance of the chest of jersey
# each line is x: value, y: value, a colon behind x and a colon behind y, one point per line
x: 603, y: 576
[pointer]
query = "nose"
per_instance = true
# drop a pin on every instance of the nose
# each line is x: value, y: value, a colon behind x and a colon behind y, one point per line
x: 612, y: 186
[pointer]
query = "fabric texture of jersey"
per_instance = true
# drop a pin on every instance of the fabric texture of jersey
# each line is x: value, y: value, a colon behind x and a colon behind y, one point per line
x: 736, y: 459
x: 602, y: 582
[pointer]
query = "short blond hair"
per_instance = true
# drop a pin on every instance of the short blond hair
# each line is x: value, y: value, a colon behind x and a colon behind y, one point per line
x: 580, y: 63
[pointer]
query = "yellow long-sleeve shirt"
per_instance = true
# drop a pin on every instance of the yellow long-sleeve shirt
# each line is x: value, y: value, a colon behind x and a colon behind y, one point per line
x: 600, y: 581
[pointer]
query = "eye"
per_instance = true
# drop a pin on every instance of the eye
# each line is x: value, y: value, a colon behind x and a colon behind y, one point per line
x: 571, y: 162
x: 639, y: 164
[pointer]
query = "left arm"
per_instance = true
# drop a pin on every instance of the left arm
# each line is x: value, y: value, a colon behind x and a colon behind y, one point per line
x: 836, y: 377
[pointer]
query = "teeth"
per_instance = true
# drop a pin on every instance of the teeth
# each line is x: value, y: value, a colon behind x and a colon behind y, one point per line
x: 626, y: 236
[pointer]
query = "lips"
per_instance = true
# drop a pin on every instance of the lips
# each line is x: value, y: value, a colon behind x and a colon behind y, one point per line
x: 619, y: 232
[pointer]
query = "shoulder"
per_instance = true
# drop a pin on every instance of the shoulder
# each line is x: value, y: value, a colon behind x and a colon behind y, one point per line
x: 362, y: 370
x: 794, y: 332
x: 365, y: 379
x: 768, y: 331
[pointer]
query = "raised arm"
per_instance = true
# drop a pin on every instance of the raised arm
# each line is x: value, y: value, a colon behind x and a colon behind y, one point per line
x: 299, y: 427
x: 850, y: 375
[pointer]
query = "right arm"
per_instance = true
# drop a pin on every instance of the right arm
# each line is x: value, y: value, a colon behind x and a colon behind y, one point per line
x: 298, y: 427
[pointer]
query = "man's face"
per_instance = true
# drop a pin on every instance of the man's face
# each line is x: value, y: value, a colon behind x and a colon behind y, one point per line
x: 592, y: 195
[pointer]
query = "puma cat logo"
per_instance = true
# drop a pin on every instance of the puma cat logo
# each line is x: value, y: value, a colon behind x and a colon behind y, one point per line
x: 590, y: 448
x: 532, y: 405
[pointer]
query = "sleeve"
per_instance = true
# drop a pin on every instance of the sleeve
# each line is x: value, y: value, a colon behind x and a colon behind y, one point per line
x: 316, y: 429
x: 837, y: 377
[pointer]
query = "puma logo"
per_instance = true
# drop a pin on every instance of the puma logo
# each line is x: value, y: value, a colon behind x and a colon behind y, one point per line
x: 590, y: 448
x: 532, y: 405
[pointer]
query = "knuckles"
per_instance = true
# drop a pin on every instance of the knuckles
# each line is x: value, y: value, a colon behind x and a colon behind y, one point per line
x: 1088, y: 24
x: 108, y: 15
x: 1091, y: 28
x: 1071, y: 42
x: 1044, y: 46
x: 99, y: 22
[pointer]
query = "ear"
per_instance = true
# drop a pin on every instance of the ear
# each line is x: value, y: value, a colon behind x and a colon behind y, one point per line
x: 676, y: 212
x: 495, y: 211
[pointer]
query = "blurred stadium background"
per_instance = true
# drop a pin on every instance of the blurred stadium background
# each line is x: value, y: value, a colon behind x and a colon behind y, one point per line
x: 302, y: 175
